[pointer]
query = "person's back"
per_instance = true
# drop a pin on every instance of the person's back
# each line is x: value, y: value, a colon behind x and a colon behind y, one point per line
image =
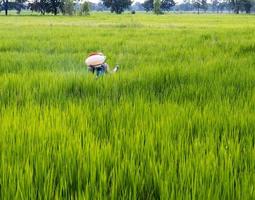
x: 96, y: 63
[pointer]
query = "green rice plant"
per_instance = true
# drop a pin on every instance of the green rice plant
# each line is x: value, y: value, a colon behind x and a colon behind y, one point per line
x: 177, y: 121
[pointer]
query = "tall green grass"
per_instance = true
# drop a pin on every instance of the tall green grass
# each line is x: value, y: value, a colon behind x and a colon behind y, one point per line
x: 177, y: 121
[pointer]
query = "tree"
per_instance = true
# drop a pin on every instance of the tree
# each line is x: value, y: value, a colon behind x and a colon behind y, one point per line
x: 236, y: 6
x: 166, y: 5
x: 55, y: 6
x: 223, y: 5
x: 68, y: 7
x: 226, y: 4
x: 18, y: 5
x: 117, y: 6
x: 85, y: 8
x: 200, y: 4
x: 247, y: 5
x: 6, y: 6
x: 148, y: 5
x: 156, y: 7
x: 204, y: 5
x: 101, y: 7
x: 239, y: 5
x: 47, y: 6
x: 197, y: 4
x: 215, y: 5
x: 39, y: 6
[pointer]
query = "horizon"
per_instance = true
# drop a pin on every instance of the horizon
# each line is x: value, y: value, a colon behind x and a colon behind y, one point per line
x: 140, y: 1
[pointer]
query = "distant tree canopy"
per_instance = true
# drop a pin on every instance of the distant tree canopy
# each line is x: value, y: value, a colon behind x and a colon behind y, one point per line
x: 200, y: 4
x: 13, y: 5
x: 85, y: 8
x: 70, y: 7
x: 100, y: 7
x: 215, y: 5
x: 148, y: 5
x: 47, y: 6
x: 247, y: 5
x: 158, y: 5
x: 5, y: 6
x: 166, y: 5
x: 219, y: 5
x: 117, y: 6
x: 241, y: 5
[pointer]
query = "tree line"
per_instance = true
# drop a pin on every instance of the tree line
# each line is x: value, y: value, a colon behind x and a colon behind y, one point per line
x: 235, y: 6
x: 69, y: 7
x: 66, y: 7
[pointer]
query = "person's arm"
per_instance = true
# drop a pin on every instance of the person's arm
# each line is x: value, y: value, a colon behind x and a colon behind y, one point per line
x: 106, y: 67
x: 91, y: 69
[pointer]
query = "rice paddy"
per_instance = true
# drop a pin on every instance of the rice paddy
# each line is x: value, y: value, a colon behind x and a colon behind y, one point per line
x: 176, y: 122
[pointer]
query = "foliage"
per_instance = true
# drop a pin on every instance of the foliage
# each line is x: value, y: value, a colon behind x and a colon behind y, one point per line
x: 157, y: 7
x: 200, y: 4
x: 148, y: 5
x: 215, y: 5
x: 241, y: 5
x: 12, y: 6
x: 47, y: 6
x: 166, y: 5
x: 38, y: 6
x: 85, y: 8
x: 68, y: 7
x: 246, y: 5
x: 55, y: 6
x: 176, y: 122
x: 117, y: 6
x: 20, y: 1
x: 101, y: 7
x: 5, y: 6
x: 204, y: 5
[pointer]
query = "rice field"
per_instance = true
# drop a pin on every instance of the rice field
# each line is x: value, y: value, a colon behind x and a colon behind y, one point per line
x: 176, y: 122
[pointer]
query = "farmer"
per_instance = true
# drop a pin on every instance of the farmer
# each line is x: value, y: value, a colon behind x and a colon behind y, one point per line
x: 96, y: 63
x: 99, y: 69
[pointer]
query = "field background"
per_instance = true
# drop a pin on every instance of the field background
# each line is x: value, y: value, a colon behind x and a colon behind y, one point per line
x: 177, y: 121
